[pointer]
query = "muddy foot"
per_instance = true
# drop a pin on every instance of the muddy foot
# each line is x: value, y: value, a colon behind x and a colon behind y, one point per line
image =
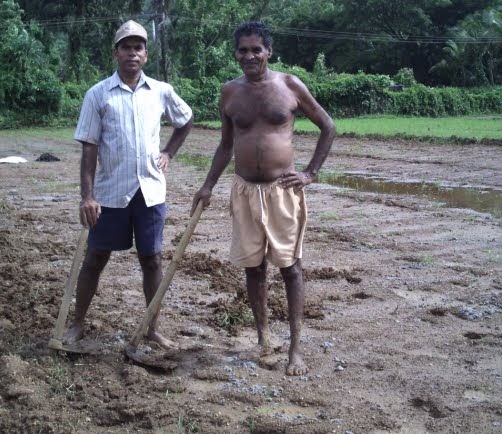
x: 74, y: 333
x: 270, y: 346
x: 165, y: 343
x: 296, y: 366
x: 265, y: 350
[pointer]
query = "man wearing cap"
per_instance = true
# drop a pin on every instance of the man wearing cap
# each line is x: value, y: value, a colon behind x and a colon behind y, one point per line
x: 123, y: 186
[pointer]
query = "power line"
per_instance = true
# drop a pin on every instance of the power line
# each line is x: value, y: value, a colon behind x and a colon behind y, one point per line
x: 297, y: 33
x: 375, y: 37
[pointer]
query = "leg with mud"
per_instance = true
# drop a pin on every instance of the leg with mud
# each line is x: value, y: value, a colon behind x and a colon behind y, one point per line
x: 295, y: 290
x: 256, y: 283
x: 87, y: 285
x: 152, y: 276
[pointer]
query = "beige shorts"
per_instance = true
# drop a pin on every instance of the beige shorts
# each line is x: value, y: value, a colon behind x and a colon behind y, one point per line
x: 267, y: 221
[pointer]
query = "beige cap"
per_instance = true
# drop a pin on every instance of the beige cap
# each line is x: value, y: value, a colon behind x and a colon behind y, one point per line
x: 130, y: 28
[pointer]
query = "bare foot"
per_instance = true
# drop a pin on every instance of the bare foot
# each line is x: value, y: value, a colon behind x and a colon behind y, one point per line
x: 265, y: 350
x: 273, y: 345
x: 74, y: 333
x: 258, y: 351
x: 268, y: 344
x: 165, y: 343
x: 296, y: 366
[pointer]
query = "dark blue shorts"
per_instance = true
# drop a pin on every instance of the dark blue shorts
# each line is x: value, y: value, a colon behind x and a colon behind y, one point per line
x: 116, y: 226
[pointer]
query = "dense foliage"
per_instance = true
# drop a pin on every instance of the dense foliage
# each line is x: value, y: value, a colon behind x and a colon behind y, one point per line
x: 446, y: 53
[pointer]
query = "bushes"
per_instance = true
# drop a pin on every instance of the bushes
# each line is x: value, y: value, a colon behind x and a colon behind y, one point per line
x: 73, y: 95
x: 354, y: 95
x: 44, y: 100
x: 405, y: 77
x: 487, y: 99
x: 346, y: 95
x: 201, y: 95
x: 343, y: 94
x: 417, y: 100
x: 28, y: 85
x: 41, y: 92
x: 420, y: 100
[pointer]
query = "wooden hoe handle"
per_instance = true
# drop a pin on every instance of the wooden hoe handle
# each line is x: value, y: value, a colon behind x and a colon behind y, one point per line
x: 71, y: 283
x: 166, y: 280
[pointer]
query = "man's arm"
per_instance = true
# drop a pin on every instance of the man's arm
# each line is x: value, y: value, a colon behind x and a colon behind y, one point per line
x: 173, y: 144
x: 221, y: 158
x: 313, y: 110
x: 89, y: 209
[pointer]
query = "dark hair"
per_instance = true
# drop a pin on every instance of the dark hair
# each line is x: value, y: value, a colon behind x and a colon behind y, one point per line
x: 253, y: 28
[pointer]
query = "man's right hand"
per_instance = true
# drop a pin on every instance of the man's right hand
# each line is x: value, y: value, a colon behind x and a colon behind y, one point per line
x: 90, y: 210
x: 204, y: 194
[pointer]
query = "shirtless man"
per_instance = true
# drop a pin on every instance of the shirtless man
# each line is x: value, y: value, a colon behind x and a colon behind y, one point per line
x: 267, y: 200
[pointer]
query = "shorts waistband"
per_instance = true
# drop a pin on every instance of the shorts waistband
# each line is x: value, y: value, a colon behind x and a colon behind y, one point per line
x: 242, y: 181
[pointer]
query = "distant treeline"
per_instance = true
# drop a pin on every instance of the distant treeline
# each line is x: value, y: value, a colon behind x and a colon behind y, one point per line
x: 342, y: 95
x: 348, y: 95
x: 410, y: 57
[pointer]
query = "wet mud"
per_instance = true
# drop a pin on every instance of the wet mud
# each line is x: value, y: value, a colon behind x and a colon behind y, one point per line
x: 403, y: 314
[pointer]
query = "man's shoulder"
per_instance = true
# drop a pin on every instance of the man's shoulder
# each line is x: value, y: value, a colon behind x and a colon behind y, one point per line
x: 291, y: 81
x: 286, y: 77
x: 232, y: 86
x: 158, y: 85
x: 235, y: 82
x: 102, y: 85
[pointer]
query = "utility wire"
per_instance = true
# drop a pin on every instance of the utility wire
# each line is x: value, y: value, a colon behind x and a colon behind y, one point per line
x: 297, y: 33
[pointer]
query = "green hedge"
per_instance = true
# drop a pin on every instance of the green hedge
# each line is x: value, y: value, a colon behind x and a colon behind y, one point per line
x: 420, y: 100
x: 46, y: 101
x: 201, y: 95
x: 348, y: 95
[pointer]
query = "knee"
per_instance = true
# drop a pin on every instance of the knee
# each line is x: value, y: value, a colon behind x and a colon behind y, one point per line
x: 294, y: 272
x: 150, y: 263
x: 259, y: 272
x: 95, y: 260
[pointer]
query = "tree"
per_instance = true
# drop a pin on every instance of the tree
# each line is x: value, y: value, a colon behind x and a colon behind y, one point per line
x: 88, y: 28
x: 27, y: 81
x: 473, y: 55
x: 200, y: 35
x: 376, y: 36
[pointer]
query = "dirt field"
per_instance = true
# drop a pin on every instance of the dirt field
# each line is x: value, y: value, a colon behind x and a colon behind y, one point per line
x: 403, y: 319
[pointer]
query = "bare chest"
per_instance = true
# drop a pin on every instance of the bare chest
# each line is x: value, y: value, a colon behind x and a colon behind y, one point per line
x: 270, y: 105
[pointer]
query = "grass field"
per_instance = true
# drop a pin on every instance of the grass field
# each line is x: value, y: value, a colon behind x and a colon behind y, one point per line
x: 40, y: 133
x: 469, y: 127
x: 475, y: 127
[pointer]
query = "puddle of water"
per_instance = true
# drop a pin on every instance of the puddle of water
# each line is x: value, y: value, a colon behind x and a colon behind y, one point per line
x: 478, y: 199
x: 201, y: 162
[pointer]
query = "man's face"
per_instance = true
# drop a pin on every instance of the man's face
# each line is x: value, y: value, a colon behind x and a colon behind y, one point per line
x: 131, y: 54
x: 252, y: 55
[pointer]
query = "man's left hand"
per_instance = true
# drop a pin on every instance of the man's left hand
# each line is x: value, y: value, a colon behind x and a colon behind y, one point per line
x: 296, y: 180
x: 163, y: 161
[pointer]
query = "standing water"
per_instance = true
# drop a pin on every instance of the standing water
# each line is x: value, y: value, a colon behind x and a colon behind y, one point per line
x: 478, y: 199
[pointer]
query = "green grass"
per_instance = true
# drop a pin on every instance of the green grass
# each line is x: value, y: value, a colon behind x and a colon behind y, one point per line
x: 487, y: 127
x: 329, y: 215
x: 468, y: 127
x: 58, y: 187
x: 40, y: 133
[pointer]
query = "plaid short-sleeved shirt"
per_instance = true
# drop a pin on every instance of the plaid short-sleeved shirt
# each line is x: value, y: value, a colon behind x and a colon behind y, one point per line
x: 125, y: 125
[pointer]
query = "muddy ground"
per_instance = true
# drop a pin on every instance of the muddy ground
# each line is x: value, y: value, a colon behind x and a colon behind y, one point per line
x: 403, y: 319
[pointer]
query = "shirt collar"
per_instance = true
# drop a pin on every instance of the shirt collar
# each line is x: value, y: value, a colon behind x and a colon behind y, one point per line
x: 116, y: 81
